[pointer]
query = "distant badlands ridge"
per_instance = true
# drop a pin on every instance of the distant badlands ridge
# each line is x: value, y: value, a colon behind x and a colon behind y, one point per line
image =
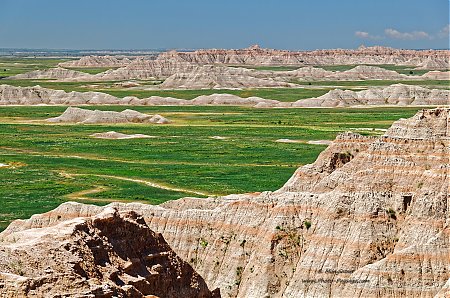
x: 254, y: 55
x: 394, y: 95
x: 186, y: 75
x: 218, y: 69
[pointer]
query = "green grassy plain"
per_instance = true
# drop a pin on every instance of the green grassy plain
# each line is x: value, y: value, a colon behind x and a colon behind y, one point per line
x: 53, y: 163
x: 91, y: 70
x: 442, y: 84
x: 14, y: 66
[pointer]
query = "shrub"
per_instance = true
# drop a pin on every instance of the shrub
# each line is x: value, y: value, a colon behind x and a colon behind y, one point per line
x: 307, y: 224
x: 203, y: 243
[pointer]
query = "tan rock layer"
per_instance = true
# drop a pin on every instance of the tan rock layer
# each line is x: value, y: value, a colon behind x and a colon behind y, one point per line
x: 97, y: 61
x: 108, y: 255
x: 430, y: 59
x: 84, y: 116
x: 393, y: 95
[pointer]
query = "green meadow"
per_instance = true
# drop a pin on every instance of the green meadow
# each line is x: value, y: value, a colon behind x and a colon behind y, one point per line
x: 52, y: 163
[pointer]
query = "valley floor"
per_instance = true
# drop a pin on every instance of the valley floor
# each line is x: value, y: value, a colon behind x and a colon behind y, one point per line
x: 205, y: 151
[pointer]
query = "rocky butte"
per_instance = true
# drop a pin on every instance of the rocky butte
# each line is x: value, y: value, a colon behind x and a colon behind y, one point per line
x: 111, y: 254
x: 369, y: 218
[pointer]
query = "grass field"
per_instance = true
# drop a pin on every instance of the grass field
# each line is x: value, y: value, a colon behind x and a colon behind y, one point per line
x: 91, y: 70
x: 13, y: 66
x: 442, y: 84
x: 271, y: 68
x: 50, y: 164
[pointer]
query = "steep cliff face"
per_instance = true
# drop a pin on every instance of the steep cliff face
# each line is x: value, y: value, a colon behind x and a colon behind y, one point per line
x: 370, y: 218
x: 108, y: 255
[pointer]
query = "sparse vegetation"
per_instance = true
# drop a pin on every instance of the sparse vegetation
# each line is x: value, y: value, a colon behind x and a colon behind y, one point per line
x: 17, y: 267
x: 307, y: 224
x: 391, y: 213
x: 239, y: 271
x: 203, y: 243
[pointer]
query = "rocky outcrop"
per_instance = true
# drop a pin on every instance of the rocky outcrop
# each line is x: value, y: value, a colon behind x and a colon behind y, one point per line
x: 51, y: 73
x: 141, y: 69
x: 398, y: 94
x: 11, y: 95
x: 97, y: 62
x: 365, y: 72
x: 83, y: 116
x: 393, y: 95
x: 112, y: 135
x: 437, y: 75
x: 111, y: 254
x: 368, y: 219
x: 219, y: 77
x: 194, y: 76
x: 429, y: 59
x: 184, y: 75
x: 360, y: 72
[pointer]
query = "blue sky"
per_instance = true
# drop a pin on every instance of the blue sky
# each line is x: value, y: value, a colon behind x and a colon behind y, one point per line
x: 283, y: 24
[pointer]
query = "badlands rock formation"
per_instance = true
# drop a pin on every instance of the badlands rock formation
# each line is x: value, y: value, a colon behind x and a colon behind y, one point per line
x: 437, y: 75
x: 219, y: 77
x: 365, y: 72
x: 112, y: 135
x: 368, y: 219
x: 430, y: 59
x: 83, y: 116
x: 187, y: 66
x: 398, y: 94
x: 360, y: 72
x: 52, y: 73
x: 142, y: 69
x: 108, y: 255
x: 97, y: 61
x: 191, y: 76
x: 11, y: 95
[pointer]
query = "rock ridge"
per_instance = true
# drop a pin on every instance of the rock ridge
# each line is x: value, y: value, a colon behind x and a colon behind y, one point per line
x: 394, y: 95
